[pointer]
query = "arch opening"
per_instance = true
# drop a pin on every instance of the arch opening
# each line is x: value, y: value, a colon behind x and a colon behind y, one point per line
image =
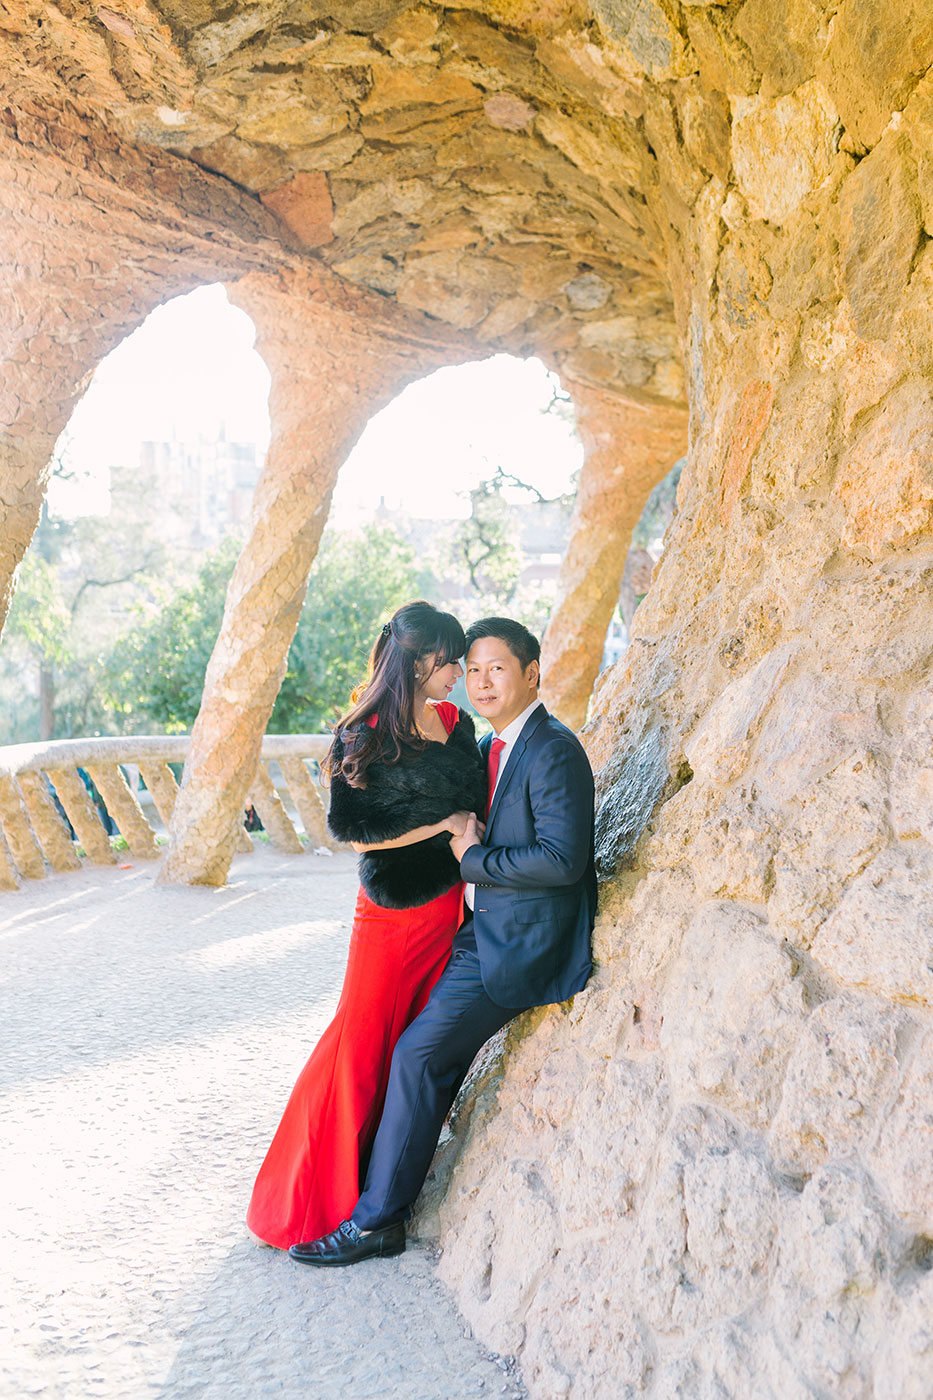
x: 154, y: 469
x: 150, y: 495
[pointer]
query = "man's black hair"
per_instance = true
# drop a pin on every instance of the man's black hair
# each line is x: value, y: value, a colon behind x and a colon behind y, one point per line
x: 521, y: 643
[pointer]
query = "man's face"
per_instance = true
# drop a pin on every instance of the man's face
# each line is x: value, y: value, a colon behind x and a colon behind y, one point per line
x: 496, y: 684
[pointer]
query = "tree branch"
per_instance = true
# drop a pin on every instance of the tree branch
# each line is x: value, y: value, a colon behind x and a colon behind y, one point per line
x: 502, y: 478
x: 111, y: 582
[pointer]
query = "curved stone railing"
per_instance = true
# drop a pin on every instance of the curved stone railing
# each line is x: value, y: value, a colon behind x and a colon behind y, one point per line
x: 34, y: 834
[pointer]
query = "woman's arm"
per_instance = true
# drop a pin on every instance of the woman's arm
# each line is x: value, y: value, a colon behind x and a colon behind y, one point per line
x: 455, y: 824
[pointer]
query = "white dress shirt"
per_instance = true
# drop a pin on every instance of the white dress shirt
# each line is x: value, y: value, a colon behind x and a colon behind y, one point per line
x: 509, y: 737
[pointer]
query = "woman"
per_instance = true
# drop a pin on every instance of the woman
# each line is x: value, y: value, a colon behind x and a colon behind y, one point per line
x: 405, y: 772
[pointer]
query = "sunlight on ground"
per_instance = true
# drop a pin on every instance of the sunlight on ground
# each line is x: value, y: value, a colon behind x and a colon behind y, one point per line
x: 149, y: 1038
x: 262, y: 947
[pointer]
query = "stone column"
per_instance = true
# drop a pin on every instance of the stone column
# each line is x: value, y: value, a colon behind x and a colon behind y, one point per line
x: 629, y: 447
x: 331, y: 371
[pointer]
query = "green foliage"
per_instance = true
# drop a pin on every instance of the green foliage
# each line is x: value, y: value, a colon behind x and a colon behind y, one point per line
x: 357, y: 582
x: 75, y: 591
x: 73, y: 663
x: 39, y: 618
x: 155, y: 674
x: 485, y: 546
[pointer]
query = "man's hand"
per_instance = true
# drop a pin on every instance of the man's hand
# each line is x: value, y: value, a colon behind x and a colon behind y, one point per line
x: 472, y: 836
x: 456, y: 823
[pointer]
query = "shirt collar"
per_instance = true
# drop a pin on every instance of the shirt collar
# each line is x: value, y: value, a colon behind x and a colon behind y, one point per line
x: 514, y: 727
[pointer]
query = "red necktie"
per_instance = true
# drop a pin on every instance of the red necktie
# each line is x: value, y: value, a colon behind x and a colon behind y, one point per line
x: 492, y: 769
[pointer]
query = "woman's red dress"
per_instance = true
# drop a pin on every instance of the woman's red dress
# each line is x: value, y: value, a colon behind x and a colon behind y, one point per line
x: 312, y: 1175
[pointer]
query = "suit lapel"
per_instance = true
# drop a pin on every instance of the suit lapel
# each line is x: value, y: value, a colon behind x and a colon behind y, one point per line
x: 515, y: 757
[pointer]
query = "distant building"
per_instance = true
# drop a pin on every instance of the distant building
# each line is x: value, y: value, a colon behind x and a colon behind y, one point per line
x: 205, y: 488
x: 542, y: 529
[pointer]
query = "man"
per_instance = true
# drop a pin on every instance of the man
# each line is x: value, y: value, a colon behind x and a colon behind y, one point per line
x: 524, y: 940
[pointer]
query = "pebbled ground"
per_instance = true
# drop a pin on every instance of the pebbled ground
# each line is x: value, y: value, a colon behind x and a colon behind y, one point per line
x: 148, y: 1040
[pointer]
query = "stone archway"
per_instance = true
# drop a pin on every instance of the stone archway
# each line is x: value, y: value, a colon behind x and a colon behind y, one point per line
x: 93, y: 242
x: 332, y: 368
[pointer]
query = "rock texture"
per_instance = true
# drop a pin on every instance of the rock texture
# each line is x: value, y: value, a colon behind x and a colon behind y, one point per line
x: 722, y: 1149
x: 483, y: 167
x: 711, y: 1174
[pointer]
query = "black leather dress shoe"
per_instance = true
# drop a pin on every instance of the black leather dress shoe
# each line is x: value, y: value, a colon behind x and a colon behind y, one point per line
x: 347, y: 1245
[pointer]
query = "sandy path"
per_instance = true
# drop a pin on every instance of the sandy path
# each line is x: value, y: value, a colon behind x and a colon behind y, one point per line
x: 148, y: 1040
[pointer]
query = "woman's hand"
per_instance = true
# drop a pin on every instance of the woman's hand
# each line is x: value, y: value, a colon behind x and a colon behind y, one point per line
x: 456, y: 823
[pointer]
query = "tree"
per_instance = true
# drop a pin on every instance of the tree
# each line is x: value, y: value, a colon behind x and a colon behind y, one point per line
x: 154, y: 675
x: 485, y: 551
x: 37, y: 631
x: 485, y: 546
x: 58, y: 627
x: 357, y: 582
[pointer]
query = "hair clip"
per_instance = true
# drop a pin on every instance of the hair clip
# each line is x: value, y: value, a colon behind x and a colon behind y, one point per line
x: 386, y: 630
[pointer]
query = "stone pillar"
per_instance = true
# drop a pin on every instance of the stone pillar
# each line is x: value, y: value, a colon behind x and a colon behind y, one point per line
x: 331, y: 371
x: 629, y: 447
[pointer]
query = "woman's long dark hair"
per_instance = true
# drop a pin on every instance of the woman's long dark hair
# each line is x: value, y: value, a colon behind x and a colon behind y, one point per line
x: 417, y: 630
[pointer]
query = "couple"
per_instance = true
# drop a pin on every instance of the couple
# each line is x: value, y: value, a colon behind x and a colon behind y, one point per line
x: 461, y: 923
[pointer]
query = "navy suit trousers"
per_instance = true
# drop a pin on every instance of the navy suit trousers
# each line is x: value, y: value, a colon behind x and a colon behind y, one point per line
x: 430, y: 1063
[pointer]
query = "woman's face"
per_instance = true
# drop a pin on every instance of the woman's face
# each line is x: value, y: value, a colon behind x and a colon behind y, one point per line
x: 437, y: 683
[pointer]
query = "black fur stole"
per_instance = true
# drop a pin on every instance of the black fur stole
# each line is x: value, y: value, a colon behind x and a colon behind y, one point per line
x: 422, y: 788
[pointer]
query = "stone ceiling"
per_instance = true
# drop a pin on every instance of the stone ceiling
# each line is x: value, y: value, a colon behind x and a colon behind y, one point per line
x: 481, y: 164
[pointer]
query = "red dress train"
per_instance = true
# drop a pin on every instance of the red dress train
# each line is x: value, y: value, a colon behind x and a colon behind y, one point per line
x: 312, y: 1175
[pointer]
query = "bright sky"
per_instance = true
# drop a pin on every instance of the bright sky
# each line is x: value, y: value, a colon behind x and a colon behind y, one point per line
x: 191, y: 367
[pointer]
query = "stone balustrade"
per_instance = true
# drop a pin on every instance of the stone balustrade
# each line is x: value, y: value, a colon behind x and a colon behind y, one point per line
x: 35, y: 835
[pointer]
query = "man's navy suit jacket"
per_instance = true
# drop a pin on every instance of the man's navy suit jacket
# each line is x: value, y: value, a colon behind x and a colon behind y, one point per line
x: 535, y: 879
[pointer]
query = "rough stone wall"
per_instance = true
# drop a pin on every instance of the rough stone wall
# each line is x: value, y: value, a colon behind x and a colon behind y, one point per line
x: 480, y: 164
x: 712, y: 1173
